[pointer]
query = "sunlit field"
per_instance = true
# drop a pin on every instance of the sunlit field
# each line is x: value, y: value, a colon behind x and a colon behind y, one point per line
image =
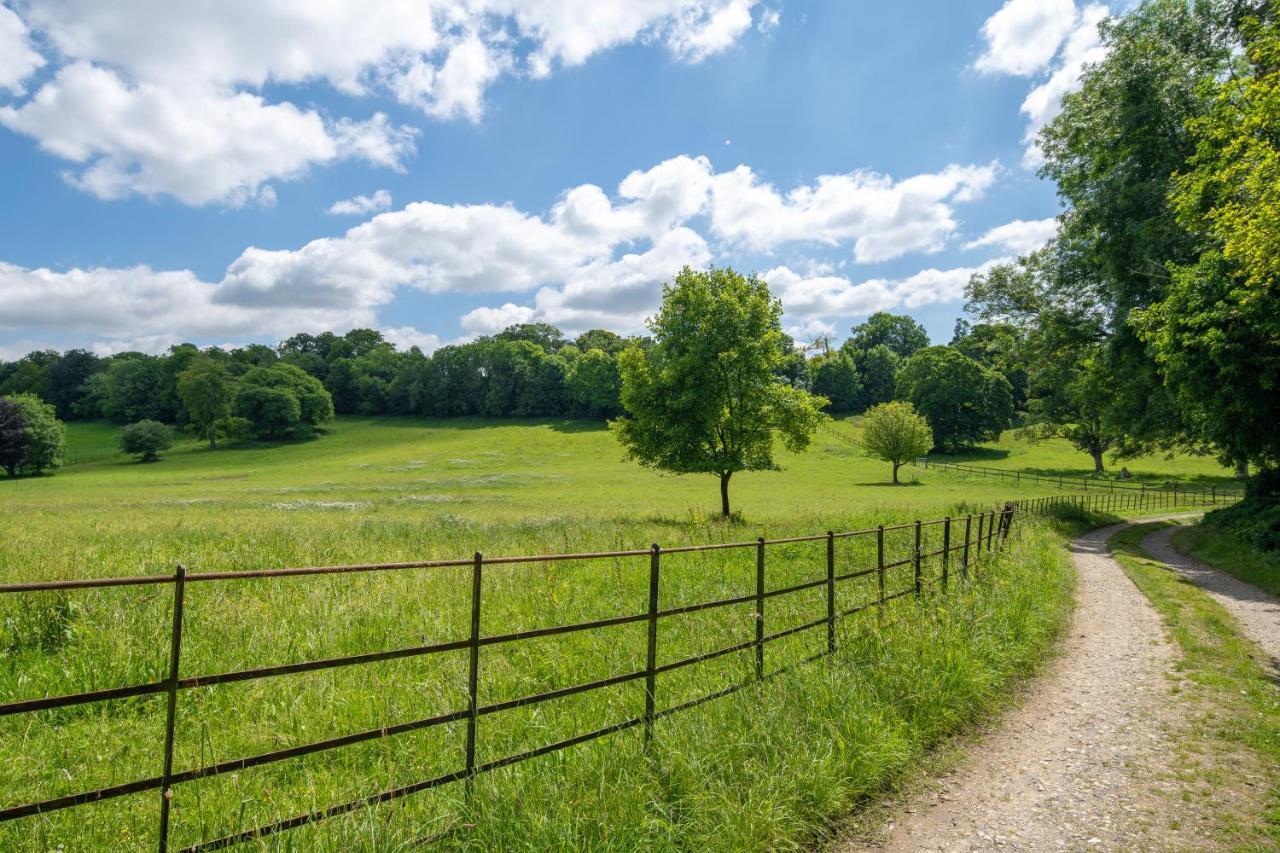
x: 762, y: 768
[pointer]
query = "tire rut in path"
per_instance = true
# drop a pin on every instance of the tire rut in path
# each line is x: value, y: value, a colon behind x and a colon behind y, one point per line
x: 1257, y: 612
x: 1078, y: 765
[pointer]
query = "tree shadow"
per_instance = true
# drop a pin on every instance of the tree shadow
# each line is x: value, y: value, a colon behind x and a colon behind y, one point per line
x: 879, y: 483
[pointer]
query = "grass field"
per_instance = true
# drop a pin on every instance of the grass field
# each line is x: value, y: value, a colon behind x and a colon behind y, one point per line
x: 757, y: 770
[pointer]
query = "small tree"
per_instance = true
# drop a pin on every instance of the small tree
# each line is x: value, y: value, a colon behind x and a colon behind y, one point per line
x: 44, y: 434
x: 207, y: 391
x: 706, y: 397
x: 895, y: 433
x: 145, y: 439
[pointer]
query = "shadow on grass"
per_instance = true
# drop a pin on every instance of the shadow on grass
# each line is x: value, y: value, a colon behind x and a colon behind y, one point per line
x: 891, y: 485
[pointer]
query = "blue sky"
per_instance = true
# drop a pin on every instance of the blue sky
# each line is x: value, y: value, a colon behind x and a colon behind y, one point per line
x: 169, y: 176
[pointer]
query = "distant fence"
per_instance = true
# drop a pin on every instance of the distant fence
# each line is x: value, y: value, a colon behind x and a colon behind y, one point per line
x: 1125, y: 501
x: 966, y: 539
x: 1215, y: 494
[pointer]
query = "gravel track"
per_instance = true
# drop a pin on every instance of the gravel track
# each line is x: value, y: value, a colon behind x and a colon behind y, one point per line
x: 1083, y: 763
x: 1257, y: 611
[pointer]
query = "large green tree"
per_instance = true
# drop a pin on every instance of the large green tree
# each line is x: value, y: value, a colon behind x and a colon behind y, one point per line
x: 898, y: 332
x: 282, y: 401
x: 836, y: 378
x: 706, y: 396
x: 42, y: 438
x: 1216, y: 332
x: 964, y: 402
x: 207, y: 391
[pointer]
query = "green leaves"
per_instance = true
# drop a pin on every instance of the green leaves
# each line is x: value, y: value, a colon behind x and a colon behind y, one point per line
x: 706, y: 397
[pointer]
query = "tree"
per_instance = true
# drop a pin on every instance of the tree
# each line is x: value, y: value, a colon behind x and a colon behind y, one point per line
x: 543, y: 335
x: 901, y: 334
x: 1000, y: 346
x: 44, y: 434
x: 13, y: 437
x: 282, y: 401
x: 1112, y: 151
x: 133, y: 389
x: 877, y: 373
x: 964, y: 402
x: 705, y: 398
x: 67, y: 382
x: 1216, y: 332
x: 601, y: 339
x: 145, y: 439
x: 836, y: 378
x: 207, y: 391
x: 594, y: 385
x: 895, y: 433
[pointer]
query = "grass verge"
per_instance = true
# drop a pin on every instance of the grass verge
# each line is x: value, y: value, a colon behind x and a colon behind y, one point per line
x: 1232, y: 554
x: 1236, y: 706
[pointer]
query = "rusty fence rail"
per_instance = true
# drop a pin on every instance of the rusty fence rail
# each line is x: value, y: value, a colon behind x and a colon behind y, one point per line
x: 964, y: 542
x: 1211, y: 495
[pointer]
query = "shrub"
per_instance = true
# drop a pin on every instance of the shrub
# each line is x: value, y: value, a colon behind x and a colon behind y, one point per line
x: 145, y: 439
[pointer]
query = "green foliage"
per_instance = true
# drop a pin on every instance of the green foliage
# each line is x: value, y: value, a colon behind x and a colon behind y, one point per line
x: 594, y: 385
x: 208, y: 391
x: 877, y: 372
x: 1216, y: 332
x: 13, y: 437
x: 901, y: 334
x: 1001, y: 346
x: 32, y: 439
x: 895, y: 433
x: 282, y: 401
x: 135, y: 387
x: 836, y: 378
x: 706, y: 398
x: 964, y: 402
x: 145, y: 440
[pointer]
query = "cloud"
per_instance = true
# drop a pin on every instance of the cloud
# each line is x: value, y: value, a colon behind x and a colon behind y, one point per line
x: 591, y: 260
x: 883, y: 218
x: 1023, y: 36
x: 1052, y: 40
x: 169, y: 99
x: 18, y: 58
x: 1019, y: 237
x: 200, y: 148
x: 405, y: 337
x: 361, y: 204
x: 489, y: 321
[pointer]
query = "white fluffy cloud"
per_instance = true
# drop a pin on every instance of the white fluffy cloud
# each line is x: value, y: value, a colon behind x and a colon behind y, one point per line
x: 592, y: 260
x: 362, y: 204
x: 883, y: 218
x: 200, y: 147
x: 166, y: 99
x: 1023, y: 36
x: 1018, y: 237
x: 18, y: 59
x: 1050, y: 40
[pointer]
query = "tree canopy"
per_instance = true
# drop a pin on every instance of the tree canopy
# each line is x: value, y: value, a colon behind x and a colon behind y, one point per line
x: 895, y: 433
x: 706, y: 396
x: 964, y: 402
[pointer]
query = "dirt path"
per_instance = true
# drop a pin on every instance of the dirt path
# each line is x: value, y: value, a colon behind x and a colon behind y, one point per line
x: 1257, y: 612
x: 1082, y: 764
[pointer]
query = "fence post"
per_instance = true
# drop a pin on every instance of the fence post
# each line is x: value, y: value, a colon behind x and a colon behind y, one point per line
x: 964, y: 557
x: 982, y: 517
x: 1215, y: 495
x: 880, y: 564
x: 946, y: 552
x: 175, y: 654
x: 916, y: 559
x: 831, y: 592
x: 760, y: 608
x: 991, y: 530
x: 473, y: 672
x: 651, y: 659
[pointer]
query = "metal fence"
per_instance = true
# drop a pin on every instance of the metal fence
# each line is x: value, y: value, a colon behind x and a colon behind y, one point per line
x: 963, y: 541
x: 1122, y: 501
x: 1213, y: 493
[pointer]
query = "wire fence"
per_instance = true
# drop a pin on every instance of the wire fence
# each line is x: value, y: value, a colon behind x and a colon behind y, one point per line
x: 1122, y: 501
x: 1214, y: 493
x: 908, y: 559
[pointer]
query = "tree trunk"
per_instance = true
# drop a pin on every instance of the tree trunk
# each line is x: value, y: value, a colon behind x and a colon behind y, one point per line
x: 1097, y: 461
x: 1242, y: 470
x: 724, y: 494
x: 213, y: 439
x: 895, y: 472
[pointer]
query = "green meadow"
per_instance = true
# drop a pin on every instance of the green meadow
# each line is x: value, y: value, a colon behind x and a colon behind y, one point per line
x: 767, y: 767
